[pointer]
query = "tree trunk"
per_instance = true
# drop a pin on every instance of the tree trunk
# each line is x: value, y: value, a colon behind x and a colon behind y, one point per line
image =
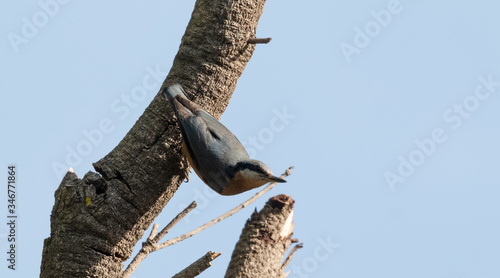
x: 96, y: 221
x: 264, y: 241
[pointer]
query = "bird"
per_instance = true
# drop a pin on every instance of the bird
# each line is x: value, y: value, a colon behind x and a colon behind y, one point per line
x: 214, y: 152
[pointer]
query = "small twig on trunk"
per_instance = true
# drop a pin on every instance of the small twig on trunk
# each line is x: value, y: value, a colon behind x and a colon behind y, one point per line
x: 198, y: 266
x: 259, y: 40
x: 289, y: 257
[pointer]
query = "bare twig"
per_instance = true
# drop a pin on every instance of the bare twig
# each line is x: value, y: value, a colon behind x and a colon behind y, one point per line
x: 198, y: 266
x: 174, y: 221
x: 259, y: 40
x: 225, y: 215
x: 289, y: 257
x: 154, y: 230
x: 151, y: 244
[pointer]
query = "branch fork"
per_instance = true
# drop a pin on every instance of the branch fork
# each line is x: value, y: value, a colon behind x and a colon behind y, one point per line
x: 151, y: 244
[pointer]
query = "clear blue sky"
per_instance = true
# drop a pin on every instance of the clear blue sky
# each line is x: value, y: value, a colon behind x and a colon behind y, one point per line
x: 392, y: 123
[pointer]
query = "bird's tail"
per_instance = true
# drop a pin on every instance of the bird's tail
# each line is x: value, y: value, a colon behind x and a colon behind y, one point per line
x: 173, y: 91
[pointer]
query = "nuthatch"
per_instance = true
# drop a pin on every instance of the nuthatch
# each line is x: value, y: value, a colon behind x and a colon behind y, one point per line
x: 213, y: 151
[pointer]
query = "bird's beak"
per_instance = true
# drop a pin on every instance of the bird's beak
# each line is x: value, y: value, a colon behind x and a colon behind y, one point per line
x: 276, y: 179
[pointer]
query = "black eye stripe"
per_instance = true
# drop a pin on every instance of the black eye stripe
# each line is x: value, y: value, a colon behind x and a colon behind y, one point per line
x: 245, y: 165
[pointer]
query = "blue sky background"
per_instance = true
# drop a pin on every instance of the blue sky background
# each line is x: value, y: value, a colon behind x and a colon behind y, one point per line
x: 365, y: 99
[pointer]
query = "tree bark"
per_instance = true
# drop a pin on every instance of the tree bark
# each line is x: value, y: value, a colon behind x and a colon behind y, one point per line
x: 264, y: 241
x: 96, y: 221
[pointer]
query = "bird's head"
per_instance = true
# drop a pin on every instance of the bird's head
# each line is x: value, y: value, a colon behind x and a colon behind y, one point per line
x: 248, y: 174
x: 256, y: 170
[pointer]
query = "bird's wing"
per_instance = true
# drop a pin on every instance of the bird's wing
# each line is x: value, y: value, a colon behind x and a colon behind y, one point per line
x: 186, y: 108
x: 216, y: 135
x: 223, y: 135
x: 206, y: 141
x: 210, y: 145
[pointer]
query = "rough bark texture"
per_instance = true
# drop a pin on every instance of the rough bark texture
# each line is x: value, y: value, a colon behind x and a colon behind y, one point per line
x: 96, y: 221
x: 264, y: 241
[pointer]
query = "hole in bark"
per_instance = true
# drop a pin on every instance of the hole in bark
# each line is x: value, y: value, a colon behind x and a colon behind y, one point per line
x: 100, y: 251
x: 280, y: 201
x: 265, y: 237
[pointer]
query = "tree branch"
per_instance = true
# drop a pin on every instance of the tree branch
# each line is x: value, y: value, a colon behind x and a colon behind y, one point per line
x: 140, y: 175
x: 151, y: 244
x: 289, y: 257
x: 259, y: 40
x: 264, y: 241
x: 198, y: 266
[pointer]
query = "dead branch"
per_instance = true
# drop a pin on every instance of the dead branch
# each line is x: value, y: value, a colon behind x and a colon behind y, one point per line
x: 264, y: 241
x: 198, y: 266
